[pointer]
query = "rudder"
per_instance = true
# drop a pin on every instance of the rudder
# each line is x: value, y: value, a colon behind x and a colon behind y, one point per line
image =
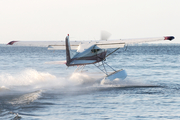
x: 68, y: 50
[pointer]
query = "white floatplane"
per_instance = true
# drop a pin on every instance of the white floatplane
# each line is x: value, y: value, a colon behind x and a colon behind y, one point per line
x: 91, y: 52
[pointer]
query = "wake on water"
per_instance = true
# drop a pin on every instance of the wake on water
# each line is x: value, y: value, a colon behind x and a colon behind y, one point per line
x: 31, y: 80
x: 29, y: 85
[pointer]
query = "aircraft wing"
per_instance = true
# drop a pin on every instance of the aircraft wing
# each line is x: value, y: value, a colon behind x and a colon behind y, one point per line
x: 60, y: 45
x: 35, y: 43
x: 103, y: 44
x: 50, y: 44
x: 142, y: 40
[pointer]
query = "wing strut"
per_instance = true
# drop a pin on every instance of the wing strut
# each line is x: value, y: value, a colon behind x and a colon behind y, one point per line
x: 103, y: 69
x: 120, y: 74
x: 112, y: 52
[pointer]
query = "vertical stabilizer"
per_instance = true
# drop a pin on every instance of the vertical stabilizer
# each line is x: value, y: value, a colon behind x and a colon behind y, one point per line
x: 68, y: 50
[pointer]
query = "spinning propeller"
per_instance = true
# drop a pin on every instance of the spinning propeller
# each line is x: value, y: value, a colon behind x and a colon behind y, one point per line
x: 105, y: 35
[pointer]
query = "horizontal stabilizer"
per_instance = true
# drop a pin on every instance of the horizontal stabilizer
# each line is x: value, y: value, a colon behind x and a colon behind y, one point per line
x: 56, y: 62
x: 82, y: 62
x: 61, y: 47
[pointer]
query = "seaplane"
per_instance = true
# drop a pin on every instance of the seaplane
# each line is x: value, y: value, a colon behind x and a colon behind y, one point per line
x: 92, y: 52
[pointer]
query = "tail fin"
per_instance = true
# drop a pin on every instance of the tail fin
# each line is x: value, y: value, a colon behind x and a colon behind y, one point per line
x: 68, y: 50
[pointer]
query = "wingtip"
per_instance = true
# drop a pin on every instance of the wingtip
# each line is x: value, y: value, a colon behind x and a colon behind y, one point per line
x: 12, y: 42
x: 169, y: 38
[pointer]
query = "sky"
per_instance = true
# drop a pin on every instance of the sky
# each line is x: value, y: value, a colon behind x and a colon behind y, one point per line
x: 50, y: 20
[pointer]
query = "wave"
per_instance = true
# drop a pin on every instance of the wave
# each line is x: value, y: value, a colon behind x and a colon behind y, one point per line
x: 31, y: 80
x: 24, y: 78
x: 84, y: 78
x: 128, y: 82
x: 26, y: 98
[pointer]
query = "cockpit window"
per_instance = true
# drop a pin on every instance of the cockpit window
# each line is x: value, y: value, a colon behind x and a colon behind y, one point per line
x: 95, y: 50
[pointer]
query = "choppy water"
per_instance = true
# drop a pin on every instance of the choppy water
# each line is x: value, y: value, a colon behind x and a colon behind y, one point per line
x: 31, y: 89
